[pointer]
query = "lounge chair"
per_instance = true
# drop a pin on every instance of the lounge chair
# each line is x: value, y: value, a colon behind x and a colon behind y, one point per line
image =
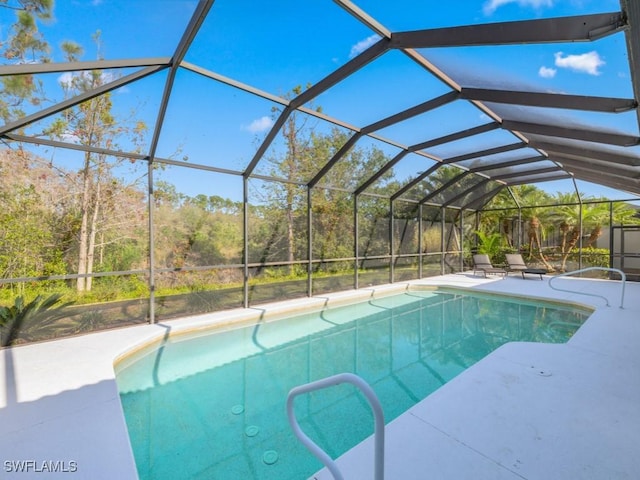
x: 516, y: 264
x: 481, y: 263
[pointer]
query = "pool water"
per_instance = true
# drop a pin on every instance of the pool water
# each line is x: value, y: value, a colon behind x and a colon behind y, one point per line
x: 213, y: 406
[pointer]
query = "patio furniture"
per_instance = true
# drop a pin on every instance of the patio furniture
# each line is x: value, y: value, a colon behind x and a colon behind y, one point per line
x: 516, y: 264
x: 482, y: 263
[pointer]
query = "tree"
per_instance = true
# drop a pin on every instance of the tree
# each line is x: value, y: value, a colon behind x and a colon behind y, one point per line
x: 534, y: 217
x: 31, y: 218
x: 92, y: 123
x: 333, y: 207
x: 567, y: 215
x: 594, y: 213
x: 304, y: 152
x: 25, y: 44
x: 293, y: 166
x: 500, y: 211
x: 598, y: 214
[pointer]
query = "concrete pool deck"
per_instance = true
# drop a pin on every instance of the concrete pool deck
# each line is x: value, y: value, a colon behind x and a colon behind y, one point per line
x: 527, y: 411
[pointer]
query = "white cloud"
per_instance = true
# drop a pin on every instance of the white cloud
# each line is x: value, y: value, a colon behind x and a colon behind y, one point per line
x: 67, y: 78
x: 546, y: 72
x: 259, y: 125
x: 491, y: 6
x: 70, y: 137
x: 585, y: 63
x: 362, y: 45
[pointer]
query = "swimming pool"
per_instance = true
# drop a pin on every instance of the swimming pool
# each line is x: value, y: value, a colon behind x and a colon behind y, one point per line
x: 212, y: 406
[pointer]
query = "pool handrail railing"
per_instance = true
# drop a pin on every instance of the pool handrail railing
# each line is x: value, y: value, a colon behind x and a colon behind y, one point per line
x: 376, y: 407
x: 566, y: 274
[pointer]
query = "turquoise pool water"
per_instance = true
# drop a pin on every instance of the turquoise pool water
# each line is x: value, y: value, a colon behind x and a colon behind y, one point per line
x: 213, y: 406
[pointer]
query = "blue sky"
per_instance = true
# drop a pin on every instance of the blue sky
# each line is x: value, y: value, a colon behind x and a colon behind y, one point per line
x: 275, y: 46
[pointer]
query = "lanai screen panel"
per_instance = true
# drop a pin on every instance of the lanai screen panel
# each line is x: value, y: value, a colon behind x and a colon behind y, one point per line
x: 612, y: 166
x: 363, y: 161
x: 601, y: 191
x: 388, y: 84
x: 332, y: 228
x: 301, y: 148
x: 406, y: 228
x: 481, y: 142
x: 514, y: 171
x: 128, y: 113
x: 404, y: 169
x: 278, y: 222
x: 437, y: 178
x: 257, y: 43
x: 485, y: 163
x: 196, y: 230
x: 490, y: 60
x: 434, y: 123
x: 479, y: 194
x: 442, y: 126
x: 451, y: 194
x: 120, y: 27
x: 212, y: 123
x: 48, y: 190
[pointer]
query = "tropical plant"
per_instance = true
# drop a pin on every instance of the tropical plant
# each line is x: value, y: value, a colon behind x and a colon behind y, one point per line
x: 535, y: 218
x: 590, y: 214
x: 27, y: 319
x: 567, y: 216
x: 489, y: 244
x: 598, y: 214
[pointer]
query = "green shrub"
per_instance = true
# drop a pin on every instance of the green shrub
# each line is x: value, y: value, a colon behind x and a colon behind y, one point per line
x: 592, y: 257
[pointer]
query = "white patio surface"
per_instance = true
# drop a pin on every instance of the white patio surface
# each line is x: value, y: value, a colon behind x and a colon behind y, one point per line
x: 527, y: 411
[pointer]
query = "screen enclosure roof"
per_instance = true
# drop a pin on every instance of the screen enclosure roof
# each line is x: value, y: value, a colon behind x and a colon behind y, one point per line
x: 462, y: 101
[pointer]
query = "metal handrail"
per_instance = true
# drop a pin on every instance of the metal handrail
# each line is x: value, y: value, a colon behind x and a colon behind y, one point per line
x: 622, y: 275
x: 377, y: 413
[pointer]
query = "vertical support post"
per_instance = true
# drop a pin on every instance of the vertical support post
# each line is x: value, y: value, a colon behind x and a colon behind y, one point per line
x: 622, y: 248
x: 309, y: 243
x: 152, y: 257
x: 519, y: 243
x: 476, y: 228
x: 391, y: 241
x: 611, y: 230
x: 442, y: 239
x: 245, y: 238
x: 575, y: 186
x: 356, y: 240
x: 462, y: 240
x: 580, y: 239
x: 420, y: 241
